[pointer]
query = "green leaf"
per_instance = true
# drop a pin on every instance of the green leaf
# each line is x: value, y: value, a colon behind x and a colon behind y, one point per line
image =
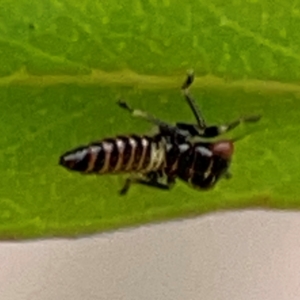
x: 65, y: 63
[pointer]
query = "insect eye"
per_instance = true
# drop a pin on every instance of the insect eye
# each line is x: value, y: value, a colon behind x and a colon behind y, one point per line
x: 223, y: 148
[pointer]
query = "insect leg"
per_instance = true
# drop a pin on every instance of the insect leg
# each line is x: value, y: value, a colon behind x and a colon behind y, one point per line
x: 142, y: 114
x: 164, y: 127
x: 147, y: 179
x: 152, y: 179
x: 155, y: 184
x: 201, y: 129
x: 227, y: 127
x: 126, y: 186
x: 216, y: 130
x: 191, y: 102
x: 213, y: 131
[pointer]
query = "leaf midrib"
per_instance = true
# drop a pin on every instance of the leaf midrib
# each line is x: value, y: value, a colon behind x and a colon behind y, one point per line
x: 144, y: 81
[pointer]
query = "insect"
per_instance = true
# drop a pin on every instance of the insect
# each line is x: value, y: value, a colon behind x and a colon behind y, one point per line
x: 176, y: 151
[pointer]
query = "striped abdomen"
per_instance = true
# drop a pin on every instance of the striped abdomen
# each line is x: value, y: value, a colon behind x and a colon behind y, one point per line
x: 121, y: 154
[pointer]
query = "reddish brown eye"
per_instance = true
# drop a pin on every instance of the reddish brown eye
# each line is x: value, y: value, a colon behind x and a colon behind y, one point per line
x: 223, y: 148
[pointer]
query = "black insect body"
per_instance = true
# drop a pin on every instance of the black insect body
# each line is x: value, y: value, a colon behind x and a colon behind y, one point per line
x: 178, y: 151
x: 201, y: 164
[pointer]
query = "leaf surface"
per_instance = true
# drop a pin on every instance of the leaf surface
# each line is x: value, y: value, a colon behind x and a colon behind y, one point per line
x: 64, y: 65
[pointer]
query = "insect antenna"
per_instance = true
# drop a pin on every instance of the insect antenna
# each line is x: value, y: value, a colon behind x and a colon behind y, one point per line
x: 244, y: 135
